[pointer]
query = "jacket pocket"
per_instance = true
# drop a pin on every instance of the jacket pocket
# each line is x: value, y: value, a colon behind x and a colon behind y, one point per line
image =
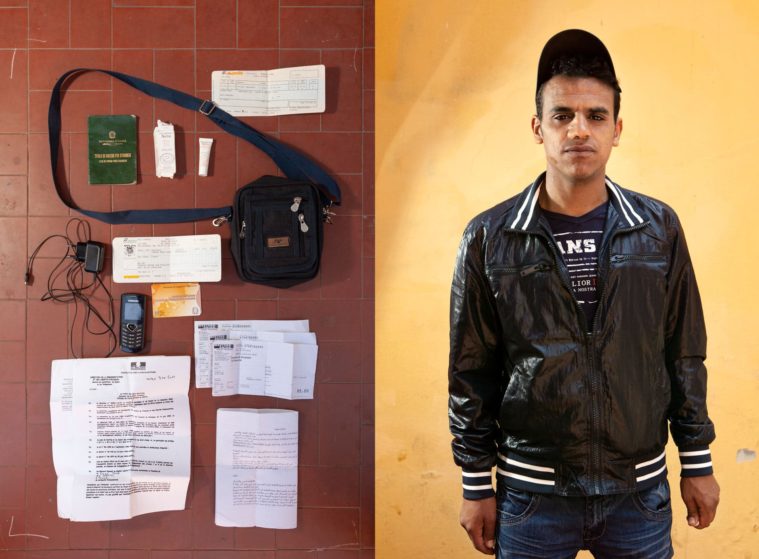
x: 638, y: 283
x: 653, y: 259
x: 531, y: 301
x: 522, y: 270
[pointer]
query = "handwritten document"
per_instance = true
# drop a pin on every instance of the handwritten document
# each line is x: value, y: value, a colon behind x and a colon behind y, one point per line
x: 185, y: 258
x: 270, y: 92
x: 257, y: 468
x: 209, y: 331
x: 121, y: 435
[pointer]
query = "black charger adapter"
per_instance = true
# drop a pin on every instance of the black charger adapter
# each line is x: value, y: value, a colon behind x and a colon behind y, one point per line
x: 92, y: 254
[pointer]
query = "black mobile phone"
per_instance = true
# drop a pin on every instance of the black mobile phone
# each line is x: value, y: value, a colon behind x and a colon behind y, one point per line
x: 132, y: 322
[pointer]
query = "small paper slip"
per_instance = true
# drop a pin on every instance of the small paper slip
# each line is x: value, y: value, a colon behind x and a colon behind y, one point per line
x: 175, y: 299
x: 256, y: 468
x: 276, y: 364
x: 270, y: 92
x: 209, y: 331
x: 291, y: 364
x: 188, y: 258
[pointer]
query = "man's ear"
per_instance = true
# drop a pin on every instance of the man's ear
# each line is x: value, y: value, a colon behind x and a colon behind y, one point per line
x: 537, y: 131
x: 617, y: 132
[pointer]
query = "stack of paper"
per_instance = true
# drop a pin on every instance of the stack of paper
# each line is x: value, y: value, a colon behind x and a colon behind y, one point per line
x: 257, y: 468
x: 262, y: 358
x: 121, y: 435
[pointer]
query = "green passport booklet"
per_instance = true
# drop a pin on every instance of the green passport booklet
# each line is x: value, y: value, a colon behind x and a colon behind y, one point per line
x: 112, y: 149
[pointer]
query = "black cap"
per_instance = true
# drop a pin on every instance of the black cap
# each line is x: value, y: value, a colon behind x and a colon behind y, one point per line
x: 568, y: 42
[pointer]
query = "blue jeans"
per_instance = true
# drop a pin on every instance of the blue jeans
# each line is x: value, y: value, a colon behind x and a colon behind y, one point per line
x: 633, y: 525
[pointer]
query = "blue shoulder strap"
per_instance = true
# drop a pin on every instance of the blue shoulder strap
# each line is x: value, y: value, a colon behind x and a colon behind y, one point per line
x: 293, y: 164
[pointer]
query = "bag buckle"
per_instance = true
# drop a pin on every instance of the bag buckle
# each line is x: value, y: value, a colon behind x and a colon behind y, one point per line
x: 207, y: 111
x: 326, y: 214
x: 222, y: 219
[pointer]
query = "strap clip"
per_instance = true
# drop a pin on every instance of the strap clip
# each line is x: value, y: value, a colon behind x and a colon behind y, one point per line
x: 207, y: 111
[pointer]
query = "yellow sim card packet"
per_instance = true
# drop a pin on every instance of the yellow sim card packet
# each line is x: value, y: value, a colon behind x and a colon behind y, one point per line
x: 175, y: 299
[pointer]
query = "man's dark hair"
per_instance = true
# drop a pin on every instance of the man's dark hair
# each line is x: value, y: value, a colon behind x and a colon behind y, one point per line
x: 578, y: 66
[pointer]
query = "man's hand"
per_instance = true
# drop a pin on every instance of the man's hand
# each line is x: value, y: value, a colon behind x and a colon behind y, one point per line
x: 478, y: 519
x: 701, y: 497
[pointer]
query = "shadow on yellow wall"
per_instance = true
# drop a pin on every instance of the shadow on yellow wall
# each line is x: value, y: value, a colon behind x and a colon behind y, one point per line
x: 455, y: 83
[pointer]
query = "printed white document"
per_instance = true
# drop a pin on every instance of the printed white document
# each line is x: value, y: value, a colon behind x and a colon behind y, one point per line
x: 257, y: 468
x: 282, y: 91
x: 121, y: 435
x: 294, y: 378
x: 208, y: 331
x: 276, y: 364
x: 186, y: 258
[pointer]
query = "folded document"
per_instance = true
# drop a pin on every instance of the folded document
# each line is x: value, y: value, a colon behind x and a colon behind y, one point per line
x: 121, y: 435
x: 257, y: 468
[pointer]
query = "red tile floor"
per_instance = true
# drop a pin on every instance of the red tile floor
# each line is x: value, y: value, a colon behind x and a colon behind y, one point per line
x: 179, y: 43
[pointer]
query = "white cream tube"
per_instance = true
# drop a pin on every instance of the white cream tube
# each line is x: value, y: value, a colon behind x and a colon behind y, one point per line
x: 204, y: 155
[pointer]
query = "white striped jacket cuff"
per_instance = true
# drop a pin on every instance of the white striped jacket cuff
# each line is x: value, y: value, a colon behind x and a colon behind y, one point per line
x: 695, y: 461
x: 477, y: 485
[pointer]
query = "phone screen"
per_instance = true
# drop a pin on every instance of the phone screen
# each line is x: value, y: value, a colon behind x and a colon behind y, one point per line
x: 132, y: 311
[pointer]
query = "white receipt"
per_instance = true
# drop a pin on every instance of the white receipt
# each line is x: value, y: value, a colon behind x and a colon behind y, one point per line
x: 209, y: 331
x: 276, y: 364
x: 165, y: 150
x: 187, y: 258
x: 270, y: 92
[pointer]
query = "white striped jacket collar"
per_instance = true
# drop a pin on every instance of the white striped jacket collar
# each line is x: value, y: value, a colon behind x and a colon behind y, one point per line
x: 524, y: 215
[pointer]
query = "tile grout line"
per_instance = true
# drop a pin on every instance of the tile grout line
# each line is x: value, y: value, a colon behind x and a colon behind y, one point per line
x: 196, y: 126
x: 363, y: 146
x: 112, y: 190
x: 26, y: 260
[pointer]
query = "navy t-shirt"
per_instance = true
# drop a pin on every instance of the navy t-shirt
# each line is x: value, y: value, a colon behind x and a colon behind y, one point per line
x: 579, y: 240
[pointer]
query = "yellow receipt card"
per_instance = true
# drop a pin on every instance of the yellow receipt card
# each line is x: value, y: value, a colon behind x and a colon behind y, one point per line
x: 175, y: 299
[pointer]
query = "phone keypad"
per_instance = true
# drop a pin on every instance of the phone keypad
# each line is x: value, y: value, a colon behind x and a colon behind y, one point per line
x: 131, y: 337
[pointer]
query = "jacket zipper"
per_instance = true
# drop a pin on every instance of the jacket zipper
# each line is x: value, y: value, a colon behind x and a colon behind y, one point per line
x: 522, y: 270
x: 595, y: 413
x: 595, y: 377
x: 639, y: 257
x: 589, y: 339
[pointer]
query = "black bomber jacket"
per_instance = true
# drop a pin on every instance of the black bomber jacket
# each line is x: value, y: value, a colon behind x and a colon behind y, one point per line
x: 555, y: 407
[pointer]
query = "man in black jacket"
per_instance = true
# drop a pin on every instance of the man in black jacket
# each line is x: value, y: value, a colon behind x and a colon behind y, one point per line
x: 577, y: 338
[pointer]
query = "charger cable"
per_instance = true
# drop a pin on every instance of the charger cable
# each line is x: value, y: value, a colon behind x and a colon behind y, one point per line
x: 67, y: 284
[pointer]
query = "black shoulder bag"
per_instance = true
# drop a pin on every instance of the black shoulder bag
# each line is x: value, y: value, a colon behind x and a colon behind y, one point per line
x: 277, y: 222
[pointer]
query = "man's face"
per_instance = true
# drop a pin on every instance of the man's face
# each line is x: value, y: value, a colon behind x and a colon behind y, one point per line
x: 577, y: 129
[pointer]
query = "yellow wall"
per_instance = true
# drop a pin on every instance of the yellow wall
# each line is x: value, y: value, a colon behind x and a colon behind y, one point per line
x: 455, y: 81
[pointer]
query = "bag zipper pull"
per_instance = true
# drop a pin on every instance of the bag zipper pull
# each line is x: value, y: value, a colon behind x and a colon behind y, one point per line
x: 296, y: 203
x: 303, y: 225
x: 242, y: 230
x: 218, y: 221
